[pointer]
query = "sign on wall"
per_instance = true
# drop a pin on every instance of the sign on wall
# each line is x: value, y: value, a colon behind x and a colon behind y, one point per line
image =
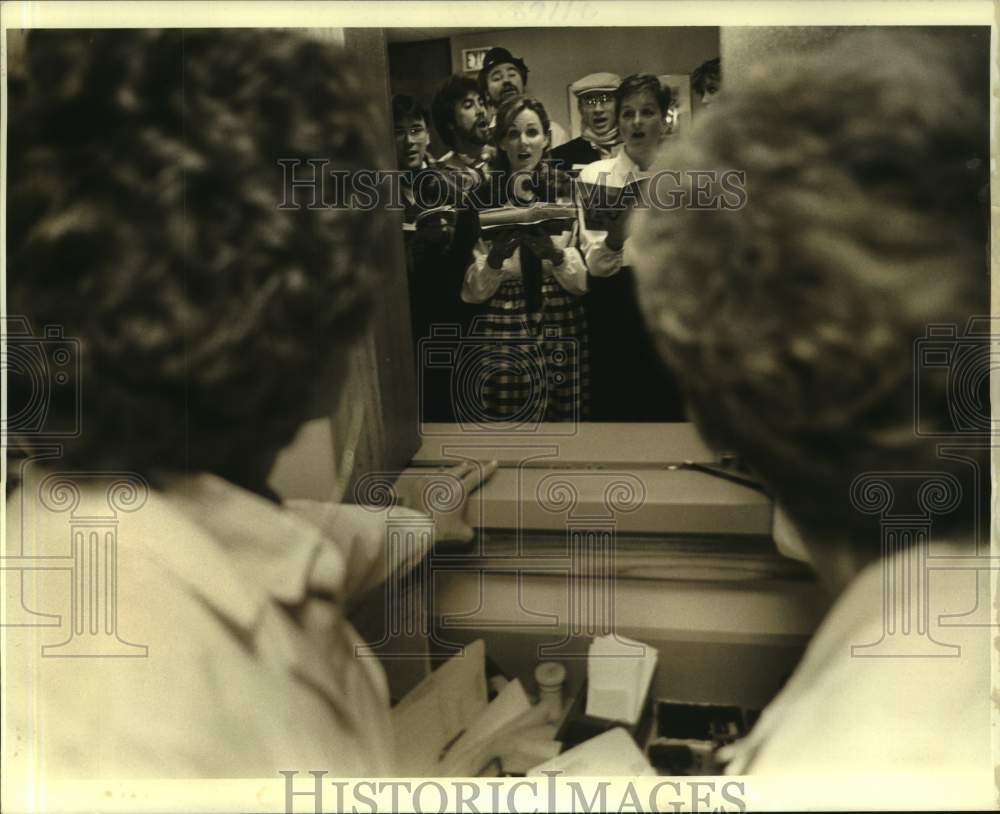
x: 472, y: 58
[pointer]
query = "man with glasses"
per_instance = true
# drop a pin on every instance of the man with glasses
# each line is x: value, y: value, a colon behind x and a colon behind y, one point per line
x: 438, y: 233
x: 409, y: 121
x: 595, y: 99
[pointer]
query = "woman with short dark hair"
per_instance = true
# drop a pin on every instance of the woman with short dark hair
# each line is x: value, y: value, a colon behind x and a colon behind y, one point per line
x: 630, y: 381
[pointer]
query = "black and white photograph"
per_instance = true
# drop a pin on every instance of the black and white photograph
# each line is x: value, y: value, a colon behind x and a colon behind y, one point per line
x: 555, y: 406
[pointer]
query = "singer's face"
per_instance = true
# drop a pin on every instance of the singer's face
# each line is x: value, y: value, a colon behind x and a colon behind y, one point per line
x: 503, y: 81
x: 525, y: 141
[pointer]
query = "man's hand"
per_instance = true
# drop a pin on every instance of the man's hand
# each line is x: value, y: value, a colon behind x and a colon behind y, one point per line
x: 443, y: 494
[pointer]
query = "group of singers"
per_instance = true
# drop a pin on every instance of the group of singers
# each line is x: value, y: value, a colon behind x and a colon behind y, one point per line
x: 533, y: 346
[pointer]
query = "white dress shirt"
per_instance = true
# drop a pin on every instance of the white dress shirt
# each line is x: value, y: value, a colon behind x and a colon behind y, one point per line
x: 252, y: 666
x: 616, y: 172
x: 884, y: 731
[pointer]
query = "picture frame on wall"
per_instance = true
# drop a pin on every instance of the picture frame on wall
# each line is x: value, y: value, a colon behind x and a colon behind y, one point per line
x: 679, y: 114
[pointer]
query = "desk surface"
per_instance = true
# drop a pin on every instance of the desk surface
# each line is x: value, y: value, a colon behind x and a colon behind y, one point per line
x: 565, y: 445
x: 606, y: 477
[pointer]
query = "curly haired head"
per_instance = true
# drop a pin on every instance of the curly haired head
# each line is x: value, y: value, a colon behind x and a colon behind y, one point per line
x: 792, y: 321
x: 144, y: 218
x: 450, y: 94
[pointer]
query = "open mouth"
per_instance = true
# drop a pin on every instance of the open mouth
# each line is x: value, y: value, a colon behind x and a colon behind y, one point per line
x: 523, y: 156
x: 637, y: 136
x: 600, y: 121
x: 508, y: 90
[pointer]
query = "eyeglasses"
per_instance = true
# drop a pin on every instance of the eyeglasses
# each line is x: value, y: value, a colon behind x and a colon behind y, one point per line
x: 595, y: 99
x: 416, y: 131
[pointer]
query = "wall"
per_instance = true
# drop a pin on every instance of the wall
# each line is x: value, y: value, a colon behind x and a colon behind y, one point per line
x: 374, y: 424
x: 420, y: 69
x: 556, y: 57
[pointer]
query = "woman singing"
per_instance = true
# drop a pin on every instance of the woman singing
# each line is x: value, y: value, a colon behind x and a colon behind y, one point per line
x: 630, y: 381
x: 536, y: 362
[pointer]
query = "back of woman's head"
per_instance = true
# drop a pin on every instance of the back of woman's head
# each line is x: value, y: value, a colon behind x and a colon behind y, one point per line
x: 795, y: 320
x: 151, y: 220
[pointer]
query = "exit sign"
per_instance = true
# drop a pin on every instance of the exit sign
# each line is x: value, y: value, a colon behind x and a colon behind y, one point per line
x: 472, y: 58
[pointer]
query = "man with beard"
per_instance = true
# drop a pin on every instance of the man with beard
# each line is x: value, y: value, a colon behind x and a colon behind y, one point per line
x: 461, y: 120
x: 504, y: 75
x: 595, y: 98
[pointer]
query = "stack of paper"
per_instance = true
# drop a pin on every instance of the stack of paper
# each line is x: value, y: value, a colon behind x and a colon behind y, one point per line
x: 445, y: 728
x: 439, y: 709
x: 619, y: 672
x: 610, y: 753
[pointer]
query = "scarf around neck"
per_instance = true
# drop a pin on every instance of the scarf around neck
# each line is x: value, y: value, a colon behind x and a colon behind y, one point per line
x: 603, y: 143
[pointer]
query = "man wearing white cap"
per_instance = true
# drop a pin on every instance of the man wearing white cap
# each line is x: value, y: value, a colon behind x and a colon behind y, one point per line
x: 595, y: 99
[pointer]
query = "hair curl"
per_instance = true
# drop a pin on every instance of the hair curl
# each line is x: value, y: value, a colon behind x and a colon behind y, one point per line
x: 144, y: 219
x: 793, y: 321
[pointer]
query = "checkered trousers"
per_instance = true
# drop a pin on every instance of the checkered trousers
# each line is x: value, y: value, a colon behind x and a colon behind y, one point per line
x: 538, y: 366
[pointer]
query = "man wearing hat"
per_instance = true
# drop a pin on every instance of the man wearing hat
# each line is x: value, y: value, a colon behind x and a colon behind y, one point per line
x: 504, y: 75
x: 595, y: 100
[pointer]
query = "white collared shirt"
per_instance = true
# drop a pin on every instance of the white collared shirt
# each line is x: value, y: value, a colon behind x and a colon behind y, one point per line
x: 874, y: 730
x: 231, y: 685
x: 616, y: 172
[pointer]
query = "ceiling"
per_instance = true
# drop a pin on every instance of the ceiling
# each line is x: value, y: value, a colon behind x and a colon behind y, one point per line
x: 417, y: 34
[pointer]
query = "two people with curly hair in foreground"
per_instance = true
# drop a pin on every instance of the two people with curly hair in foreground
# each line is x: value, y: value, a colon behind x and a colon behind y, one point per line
x: 142, y: 218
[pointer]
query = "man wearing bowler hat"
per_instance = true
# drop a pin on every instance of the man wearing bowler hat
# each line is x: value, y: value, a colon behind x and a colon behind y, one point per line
x: 504, y: 75
x: 599, y: 139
